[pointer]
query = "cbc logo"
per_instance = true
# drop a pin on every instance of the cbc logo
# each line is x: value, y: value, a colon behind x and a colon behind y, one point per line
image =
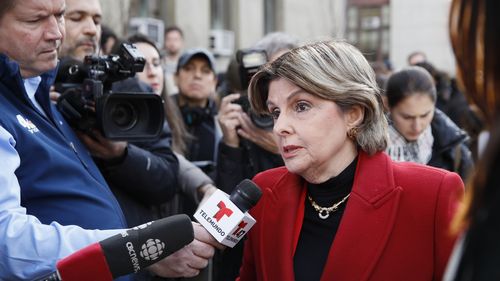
x: 152, y: 249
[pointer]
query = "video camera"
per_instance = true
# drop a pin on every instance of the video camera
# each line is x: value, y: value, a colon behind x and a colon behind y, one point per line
x: 89, y: 103
x: 249, y: 62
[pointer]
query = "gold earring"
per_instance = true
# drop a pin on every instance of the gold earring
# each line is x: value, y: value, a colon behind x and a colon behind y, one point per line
x: 352, y: 133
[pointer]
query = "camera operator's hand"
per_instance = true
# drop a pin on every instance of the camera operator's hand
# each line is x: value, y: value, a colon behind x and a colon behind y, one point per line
x: 101, y: 147
x: 188, y: 261
x: 53, y: 94
x: 229, y: 119
x: 261, y: 137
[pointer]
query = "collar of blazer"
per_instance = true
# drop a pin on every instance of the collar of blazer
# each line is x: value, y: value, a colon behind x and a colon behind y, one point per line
x: 364, y: 230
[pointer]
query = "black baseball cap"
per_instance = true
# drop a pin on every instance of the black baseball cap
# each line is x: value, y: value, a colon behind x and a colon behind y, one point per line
x: 196, y: 52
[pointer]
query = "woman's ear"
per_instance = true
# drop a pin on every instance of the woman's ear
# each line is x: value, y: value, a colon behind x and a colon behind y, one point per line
x: 354, y: 116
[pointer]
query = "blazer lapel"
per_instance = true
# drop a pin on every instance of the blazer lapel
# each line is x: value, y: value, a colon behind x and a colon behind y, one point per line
x: 284, y: 220
x: 367, y: 221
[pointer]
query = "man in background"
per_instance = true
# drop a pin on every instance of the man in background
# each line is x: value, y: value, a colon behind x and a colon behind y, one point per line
x: 416, y: 57
x: 83, y: 25
x: 173, y: 46
x: 141, y: 174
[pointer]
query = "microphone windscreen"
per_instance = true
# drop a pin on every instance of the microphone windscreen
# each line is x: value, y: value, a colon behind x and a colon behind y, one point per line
x: 245, y: 195
x: 88, y: 263
x: 144, y: 245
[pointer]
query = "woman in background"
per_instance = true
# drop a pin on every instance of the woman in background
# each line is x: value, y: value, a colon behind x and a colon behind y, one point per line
x: 418, y: 131
x: 193, y: 181
x: 341, y: 209
x: 153, y: 76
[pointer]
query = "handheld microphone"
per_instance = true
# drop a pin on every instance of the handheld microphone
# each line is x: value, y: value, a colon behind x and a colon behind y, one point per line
x: 245, y: 195
x: 127, y: 252
x: 226, y: 217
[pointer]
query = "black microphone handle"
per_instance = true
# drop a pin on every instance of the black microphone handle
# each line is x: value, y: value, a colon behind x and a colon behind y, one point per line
x: 143, y: 246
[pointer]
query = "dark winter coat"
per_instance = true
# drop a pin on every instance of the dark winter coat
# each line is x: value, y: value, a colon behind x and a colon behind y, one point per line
x: 450, y: 150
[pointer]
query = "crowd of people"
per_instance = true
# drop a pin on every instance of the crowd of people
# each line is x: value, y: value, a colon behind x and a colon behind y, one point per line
x: 362, y: 167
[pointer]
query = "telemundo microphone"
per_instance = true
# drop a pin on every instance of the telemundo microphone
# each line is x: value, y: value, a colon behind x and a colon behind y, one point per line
x: 225, y: 217
x: 126, y: 252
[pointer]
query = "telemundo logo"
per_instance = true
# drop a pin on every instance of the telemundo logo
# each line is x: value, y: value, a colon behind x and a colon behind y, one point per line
x: 152, y: 249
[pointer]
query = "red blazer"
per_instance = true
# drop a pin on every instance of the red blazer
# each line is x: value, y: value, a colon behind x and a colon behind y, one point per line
x: 394, y: 227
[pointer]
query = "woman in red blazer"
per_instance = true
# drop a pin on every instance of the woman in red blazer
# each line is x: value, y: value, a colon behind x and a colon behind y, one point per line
x: 341, y: 209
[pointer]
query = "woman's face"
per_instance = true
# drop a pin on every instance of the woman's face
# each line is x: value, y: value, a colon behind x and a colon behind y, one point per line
x: 413, y: 115
x: 311, y: 132
x: 153, y: 72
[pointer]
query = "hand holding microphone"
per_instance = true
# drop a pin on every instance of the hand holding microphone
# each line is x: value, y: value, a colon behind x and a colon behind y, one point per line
x: 161, y: 245
x: 127, y: 252
x: 226, y: 218
x: 189, y: 261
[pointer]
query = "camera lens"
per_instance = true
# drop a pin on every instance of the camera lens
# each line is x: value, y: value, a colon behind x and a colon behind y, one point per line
x: 124, y: 115
x: 262, y: 121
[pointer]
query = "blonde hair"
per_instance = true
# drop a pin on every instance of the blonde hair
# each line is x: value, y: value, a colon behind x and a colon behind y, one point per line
x: 335, y: 71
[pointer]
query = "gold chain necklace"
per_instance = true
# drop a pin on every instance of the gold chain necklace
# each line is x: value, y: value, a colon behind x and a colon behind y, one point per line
x: 324, y: 212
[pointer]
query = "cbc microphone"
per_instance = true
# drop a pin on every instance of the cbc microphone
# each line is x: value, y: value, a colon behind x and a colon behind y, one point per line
x: 127, y: 252
x: 226, y: 218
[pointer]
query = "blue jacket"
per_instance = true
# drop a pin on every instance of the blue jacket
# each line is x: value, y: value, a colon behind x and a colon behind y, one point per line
x: 58, y: 179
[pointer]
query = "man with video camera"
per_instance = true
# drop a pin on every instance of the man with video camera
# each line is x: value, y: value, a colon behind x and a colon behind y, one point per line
x: 141, y: 170
x: 53, y: 199
x: 247, y: 145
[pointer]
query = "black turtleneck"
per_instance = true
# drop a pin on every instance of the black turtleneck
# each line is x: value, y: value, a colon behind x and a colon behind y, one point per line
x: 316, y: 236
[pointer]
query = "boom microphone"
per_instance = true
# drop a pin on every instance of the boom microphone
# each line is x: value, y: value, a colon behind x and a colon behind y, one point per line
x: 127, y: 252
x: 226, y: 217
